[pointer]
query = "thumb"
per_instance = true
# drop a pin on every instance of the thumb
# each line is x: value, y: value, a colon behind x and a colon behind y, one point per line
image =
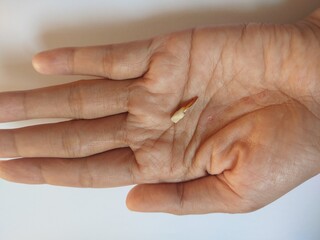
x: 205, y: 195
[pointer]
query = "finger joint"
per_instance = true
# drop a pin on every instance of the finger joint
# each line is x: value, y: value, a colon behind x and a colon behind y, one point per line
x: 75, y: 99
x: 71, y: 142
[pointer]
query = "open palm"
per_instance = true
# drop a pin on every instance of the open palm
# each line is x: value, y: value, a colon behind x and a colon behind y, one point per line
x: 239, y: 147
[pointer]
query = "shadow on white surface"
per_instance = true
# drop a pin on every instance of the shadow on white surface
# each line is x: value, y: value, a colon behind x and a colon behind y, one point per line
x: 165, y: 22
x: 16, y: 65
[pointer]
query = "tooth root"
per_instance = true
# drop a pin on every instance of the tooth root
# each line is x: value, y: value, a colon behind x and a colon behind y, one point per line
x: 178, y: 115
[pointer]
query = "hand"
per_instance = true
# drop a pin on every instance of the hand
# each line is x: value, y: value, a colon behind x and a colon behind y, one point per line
x: 252, y: 135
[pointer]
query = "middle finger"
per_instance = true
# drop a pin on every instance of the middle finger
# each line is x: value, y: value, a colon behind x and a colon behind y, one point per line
x: 70, y: 139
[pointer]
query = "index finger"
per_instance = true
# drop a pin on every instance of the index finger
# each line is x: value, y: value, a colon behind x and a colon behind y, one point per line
x: 117, y: 61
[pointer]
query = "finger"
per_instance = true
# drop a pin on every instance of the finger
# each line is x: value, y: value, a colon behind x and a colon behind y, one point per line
x: 69, y: 139
x: 205, y: 195
x: 118, y: 61
x: 109, y: 169
x: 84, y: 99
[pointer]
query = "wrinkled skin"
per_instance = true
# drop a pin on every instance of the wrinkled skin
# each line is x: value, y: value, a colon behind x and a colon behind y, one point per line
x: 252, y: 136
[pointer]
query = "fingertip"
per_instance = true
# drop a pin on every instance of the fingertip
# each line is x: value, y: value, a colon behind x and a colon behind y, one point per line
x: 51, y: 62
x: 1, y: 168
x: 4, y: 174
x: 39, y: 63
x: 129, y: 202
x: 18, y: 171
x: 152, y: 198
x: 35, y: 62
x: 134, y: 200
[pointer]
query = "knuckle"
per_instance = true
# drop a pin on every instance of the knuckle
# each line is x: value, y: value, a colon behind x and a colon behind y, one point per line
x: 71, y: 142
x: 124, y: 137
x: 134, y: 171
x: 118, y: 130
x: 137, y: 93
x: 71, y: 59
x: 25, y: 97
x: 85, y: 176
x: 180, y: 187
x: 108, y: 65
x: 130, y: 94
x: 75, y: 99
x: 143, y: 105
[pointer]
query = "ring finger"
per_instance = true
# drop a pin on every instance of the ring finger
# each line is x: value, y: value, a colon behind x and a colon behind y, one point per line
x: 109, y: 169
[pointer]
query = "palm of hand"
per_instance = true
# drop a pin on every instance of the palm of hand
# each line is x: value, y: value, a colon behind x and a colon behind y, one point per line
x: 243, y: 136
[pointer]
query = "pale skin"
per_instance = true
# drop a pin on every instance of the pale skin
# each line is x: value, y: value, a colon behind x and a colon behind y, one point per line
x: 252, y: 135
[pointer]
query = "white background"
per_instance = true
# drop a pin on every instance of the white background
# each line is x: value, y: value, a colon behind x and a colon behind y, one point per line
x: 46, y: 212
